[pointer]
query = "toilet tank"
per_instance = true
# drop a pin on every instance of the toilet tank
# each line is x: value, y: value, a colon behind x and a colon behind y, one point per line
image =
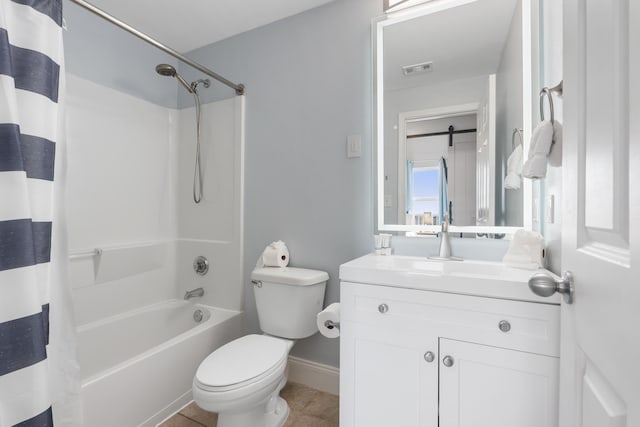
x: 288, y: 299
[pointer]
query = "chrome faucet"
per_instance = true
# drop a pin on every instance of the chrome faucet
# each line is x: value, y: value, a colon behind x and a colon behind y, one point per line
x: 198, y: 292
x: 444, y: 254
x: 445, y: 244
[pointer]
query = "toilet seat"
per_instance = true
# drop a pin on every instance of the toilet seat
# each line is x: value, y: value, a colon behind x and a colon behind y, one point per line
x: 242, y: 362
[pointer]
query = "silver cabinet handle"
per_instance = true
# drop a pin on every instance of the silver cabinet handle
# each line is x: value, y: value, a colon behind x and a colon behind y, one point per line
x: 429, y: 356
x: 544, y: 285
x: 448, y: 361
x: 383, y: 308
x: 504, y: 326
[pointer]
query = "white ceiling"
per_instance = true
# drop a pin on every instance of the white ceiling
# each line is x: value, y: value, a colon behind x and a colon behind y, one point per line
x: 187, y: 25
x: 464, y: 41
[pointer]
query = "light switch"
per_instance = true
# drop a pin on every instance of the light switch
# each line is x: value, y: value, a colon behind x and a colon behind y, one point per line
x: 354, y: 146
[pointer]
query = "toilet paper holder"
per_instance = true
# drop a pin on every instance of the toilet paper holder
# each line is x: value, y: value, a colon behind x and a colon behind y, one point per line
x: 330, y: 324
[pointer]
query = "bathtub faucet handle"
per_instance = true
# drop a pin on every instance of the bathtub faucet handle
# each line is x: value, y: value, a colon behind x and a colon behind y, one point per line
x: 198, y: 292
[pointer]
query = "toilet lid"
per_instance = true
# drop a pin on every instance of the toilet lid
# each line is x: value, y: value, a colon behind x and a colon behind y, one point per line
x: 241, y: 360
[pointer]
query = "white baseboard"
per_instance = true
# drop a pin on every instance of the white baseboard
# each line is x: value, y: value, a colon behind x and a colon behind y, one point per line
x: 315, y: 375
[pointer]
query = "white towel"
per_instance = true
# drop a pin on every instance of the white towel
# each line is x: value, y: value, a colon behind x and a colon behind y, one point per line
x: 536, y: 164
x: 525, y: 250
x: 514, y: 169
x: 555, y: 156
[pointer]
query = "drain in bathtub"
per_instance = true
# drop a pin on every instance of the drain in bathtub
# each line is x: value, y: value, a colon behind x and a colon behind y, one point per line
x: 198, y: 315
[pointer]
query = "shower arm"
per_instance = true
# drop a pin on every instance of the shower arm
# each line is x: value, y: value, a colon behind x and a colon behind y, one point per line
x: 239, y: 88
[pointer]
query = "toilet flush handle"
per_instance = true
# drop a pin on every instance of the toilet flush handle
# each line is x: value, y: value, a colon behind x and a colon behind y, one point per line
x: 258, y: 283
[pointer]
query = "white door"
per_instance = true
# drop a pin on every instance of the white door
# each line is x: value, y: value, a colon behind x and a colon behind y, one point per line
x: 485, y: 386
x: 600, y: 353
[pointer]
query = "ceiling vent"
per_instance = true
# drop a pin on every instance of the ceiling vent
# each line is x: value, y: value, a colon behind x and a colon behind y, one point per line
x: 410, y: 70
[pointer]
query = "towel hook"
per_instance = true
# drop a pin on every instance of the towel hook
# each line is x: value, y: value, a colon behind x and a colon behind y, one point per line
x: 547, y: 91
x: 513, y: 138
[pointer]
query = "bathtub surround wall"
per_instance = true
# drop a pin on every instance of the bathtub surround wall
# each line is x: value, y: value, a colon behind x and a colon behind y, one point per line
x: 212, y: 228
x: 121, y: 186
x: 130, y: 170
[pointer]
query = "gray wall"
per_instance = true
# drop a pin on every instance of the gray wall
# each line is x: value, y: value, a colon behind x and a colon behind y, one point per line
x: 100, y: 52
x: 308, y: 82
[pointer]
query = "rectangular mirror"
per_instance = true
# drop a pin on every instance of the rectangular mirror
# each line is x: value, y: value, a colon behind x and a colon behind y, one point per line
x: 453, y: 99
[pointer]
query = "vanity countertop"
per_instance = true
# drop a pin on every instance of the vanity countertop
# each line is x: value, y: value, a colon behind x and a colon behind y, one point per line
x: 467, y: 277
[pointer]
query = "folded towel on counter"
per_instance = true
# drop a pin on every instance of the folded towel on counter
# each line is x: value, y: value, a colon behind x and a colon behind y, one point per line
x: 526, y: 250
x: 555, y: 156
x: 275, y: 254
x: 514, y: 169
x: 536, y: 164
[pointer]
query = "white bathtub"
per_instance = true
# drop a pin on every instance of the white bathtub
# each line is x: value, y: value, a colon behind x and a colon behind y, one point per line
x: 137, y: 367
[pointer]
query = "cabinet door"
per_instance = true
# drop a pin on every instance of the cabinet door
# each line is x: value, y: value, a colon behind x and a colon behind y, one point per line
x: 494, y: 387
x: 388, y: 381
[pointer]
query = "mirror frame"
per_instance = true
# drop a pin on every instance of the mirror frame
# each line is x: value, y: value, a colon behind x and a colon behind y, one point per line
x: 529, y: 74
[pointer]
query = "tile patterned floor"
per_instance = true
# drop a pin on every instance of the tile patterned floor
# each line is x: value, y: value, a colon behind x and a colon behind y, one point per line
x: 308, y: 408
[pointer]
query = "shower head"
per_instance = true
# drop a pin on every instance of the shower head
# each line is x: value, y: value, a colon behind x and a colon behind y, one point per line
x: 170, y: 71
x: 166, y: 70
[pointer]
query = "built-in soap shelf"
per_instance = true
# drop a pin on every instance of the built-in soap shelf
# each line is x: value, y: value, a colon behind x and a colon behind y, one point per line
x: 105, y: 264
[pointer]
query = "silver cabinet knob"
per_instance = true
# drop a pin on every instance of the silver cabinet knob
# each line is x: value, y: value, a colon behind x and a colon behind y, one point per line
x: 544, y: 285
x: 429, y: 356
x: 448, y: 361
x: 383, y: 308
x: 504, y: 326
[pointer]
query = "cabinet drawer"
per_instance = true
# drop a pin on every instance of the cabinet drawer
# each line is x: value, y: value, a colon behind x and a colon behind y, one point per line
x: 517, y: 325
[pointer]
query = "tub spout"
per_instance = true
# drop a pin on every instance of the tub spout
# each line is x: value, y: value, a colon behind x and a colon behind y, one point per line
x: 198, y: 292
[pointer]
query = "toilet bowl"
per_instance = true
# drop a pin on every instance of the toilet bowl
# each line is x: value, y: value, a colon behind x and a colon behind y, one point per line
x: 241, y: 380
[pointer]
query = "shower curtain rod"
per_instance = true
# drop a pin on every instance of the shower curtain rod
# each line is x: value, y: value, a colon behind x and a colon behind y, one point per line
x: 239, y: 88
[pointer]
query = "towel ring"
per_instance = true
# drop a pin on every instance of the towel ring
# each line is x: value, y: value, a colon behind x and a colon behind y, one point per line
x: 547, y: 91
x: 518, y: 132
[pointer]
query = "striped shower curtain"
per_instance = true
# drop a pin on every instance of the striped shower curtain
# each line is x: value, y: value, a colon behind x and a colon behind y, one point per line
x: 38, y: 369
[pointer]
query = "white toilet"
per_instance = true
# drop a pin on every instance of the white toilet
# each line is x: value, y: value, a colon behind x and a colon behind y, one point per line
x: 241, y: 380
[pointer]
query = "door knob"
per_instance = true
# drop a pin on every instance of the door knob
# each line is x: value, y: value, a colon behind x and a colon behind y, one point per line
x: 544, y: 285
x: 429, y: 356
x: 447, y: 361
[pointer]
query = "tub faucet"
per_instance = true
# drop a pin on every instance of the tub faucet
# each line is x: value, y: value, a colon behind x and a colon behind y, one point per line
x: 198, y: 292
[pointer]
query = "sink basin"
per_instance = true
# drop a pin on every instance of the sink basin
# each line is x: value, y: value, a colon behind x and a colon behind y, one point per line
x: 467, y: 277
x: 464, y: 267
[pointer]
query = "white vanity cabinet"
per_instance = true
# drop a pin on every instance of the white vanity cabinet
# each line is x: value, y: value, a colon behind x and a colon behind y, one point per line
x: 413, y: 357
